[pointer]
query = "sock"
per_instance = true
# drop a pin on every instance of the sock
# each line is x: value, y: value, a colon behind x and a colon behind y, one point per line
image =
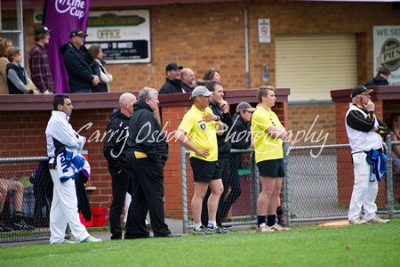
x: 279, y: 212
x: 211, y: 224
x: 19, y: 216
x: 271, y: 220
x: 260, y: 220
x: 197, y: 226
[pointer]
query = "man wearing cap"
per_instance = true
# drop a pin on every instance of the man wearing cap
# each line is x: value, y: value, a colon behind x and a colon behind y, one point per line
x: 240, y: 137
x: 198, y: 133
x: 365, y: 133
x: 79, y: 64
x: 38, y: 61
x: 173, y: 84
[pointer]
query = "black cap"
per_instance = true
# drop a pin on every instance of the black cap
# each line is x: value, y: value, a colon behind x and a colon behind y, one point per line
x: 79, y: 33
x: 173, y: 66
x: 360, y: 90
x: 42, y: 29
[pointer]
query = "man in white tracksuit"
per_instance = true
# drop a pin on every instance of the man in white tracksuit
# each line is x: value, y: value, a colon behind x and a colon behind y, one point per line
x: 365, y: 133
x: 63, y: 144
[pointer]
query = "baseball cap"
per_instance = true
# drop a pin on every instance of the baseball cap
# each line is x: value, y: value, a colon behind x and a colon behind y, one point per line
x: 79, y: 33
x: 42, y: 29
x: 200, y: 91
x: 173, y: 66
x: 360, y: 90
x: 244, y: 106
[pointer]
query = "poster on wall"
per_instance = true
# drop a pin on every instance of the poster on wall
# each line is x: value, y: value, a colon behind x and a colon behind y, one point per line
x: 387, y: 51
x: 124, y: 36
x: 264, y: 33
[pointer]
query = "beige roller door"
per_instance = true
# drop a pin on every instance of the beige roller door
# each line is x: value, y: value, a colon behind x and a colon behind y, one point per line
x: 313, y: 65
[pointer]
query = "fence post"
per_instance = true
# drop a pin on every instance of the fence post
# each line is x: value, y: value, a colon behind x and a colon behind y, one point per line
x: 184, y: 190
x: 285, y: 185
x: 389, y: 177
x: 254, y: 186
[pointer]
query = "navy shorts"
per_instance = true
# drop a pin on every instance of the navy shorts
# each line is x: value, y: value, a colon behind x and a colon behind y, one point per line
x: 205, y: 171
x: 271, y: 168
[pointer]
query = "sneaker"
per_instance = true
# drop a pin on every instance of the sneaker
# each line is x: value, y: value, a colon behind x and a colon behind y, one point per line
x: 218, y: 230
x: 4, y: 228
x: 91, y: 239
x: 277, y: 227
x: 377, y: 220
x: 66, y: 241
x: 263, y: 228
x: 203, y: 231
x: 357, y: 221
x: 23, y: 226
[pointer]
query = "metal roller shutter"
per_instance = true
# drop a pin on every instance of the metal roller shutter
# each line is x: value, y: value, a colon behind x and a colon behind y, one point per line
x: 313, y: 65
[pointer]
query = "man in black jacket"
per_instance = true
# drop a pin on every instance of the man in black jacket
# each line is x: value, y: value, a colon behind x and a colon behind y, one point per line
x: 147, y: 154
x: 219, y: 107
x: 79, y: 64
x: 173, y: 83
x: 114, y: 146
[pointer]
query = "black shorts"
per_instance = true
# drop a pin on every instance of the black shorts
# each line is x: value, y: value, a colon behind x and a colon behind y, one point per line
x: 205, y: 171
x: 271, y: 168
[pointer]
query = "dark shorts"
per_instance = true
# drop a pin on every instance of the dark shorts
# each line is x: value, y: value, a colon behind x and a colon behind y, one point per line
x: 205, y: 171
x: 271, y: 168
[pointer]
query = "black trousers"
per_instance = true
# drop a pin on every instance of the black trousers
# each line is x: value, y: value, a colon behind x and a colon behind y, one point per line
x: 121, y: 184
x: 147, y: 195
x: 224, y: 170
x: 234, y: 183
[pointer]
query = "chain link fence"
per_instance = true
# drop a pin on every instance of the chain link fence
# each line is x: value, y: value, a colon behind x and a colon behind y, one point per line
x: 317, y: 187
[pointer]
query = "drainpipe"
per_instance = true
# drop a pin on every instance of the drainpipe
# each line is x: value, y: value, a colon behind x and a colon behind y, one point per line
x: 246, y: 45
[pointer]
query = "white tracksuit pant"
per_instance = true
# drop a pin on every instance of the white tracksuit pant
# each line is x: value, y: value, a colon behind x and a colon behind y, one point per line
x: 64, y: 209
x: 364, y: 191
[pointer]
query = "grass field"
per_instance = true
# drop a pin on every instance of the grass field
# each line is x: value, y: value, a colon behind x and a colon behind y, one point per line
x: 360, y: 245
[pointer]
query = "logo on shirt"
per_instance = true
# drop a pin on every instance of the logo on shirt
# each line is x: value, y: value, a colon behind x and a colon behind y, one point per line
x: 202, y: 124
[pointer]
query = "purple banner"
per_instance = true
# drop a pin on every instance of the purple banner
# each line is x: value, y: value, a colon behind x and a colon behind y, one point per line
x: 63, y: 16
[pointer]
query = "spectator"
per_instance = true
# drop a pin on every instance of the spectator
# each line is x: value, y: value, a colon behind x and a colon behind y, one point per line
x: 147, y: 154
x: 17, y: 78
x: 197, y: 133
x: 365, y: 133
x: 210, y: 75
x: 96, y: 53
x: 188, y: 80
x: 38, y: 62
x: 394, y: 131
x: 63, y: 143
x: 5, y: 45
x: 241, y: 138
x: 7, y: 185
x: 173, y: 84
x: 113, y: 149
x: 79, y: 64
x: 381, y: 78
x: 268, y: 146
x: 220, y: 108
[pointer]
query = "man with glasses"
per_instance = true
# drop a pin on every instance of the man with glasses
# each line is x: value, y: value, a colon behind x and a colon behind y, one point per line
x: 79, y: 64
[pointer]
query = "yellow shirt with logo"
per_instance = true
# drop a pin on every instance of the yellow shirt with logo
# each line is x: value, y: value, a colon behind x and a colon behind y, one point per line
x: 266, y: 147
x: 202, y: 134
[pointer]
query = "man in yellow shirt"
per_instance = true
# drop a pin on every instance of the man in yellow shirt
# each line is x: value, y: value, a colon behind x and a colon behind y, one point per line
x: 197, y: 133
x: 268, y: 133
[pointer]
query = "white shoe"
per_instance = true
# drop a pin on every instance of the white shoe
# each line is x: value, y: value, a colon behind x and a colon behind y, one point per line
x: 91, y: 239
x: 277, y: 227
x: 264, y: 228
x: 377, y: 220
x: 357, y: 221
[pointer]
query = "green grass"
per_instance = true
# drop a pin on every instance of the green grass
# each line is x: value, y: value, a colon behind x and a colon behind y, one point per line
x: 360, y: 245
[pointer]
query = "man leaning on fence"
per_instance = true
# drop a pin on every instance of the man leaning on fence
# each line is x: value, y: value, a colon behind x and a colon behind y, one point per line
x: 63, y: 143
x: 365, y: 133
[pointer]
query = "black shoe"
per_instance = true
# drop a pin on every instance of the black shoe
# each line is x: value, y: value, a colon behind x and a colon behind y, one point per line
x: 23, y: 226
x: 171, y: 235
x: 4, y: 228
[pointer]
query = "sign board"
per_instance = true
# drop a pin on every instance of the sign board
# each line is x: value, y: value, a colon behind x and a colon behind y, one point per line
x: 264, y: 33
x: 124, y: 36
x: 387, y: 51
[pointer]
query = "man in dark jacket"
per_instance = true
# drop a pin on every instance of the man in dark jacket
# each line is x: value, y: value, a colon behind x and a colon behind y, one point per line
x: 381, y: 78
x: 114, y: 145
x: 219, y: 107
x: 79, y: 64
x: 146, y: 154
x: 173, y: 83
x: 240, y: 137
